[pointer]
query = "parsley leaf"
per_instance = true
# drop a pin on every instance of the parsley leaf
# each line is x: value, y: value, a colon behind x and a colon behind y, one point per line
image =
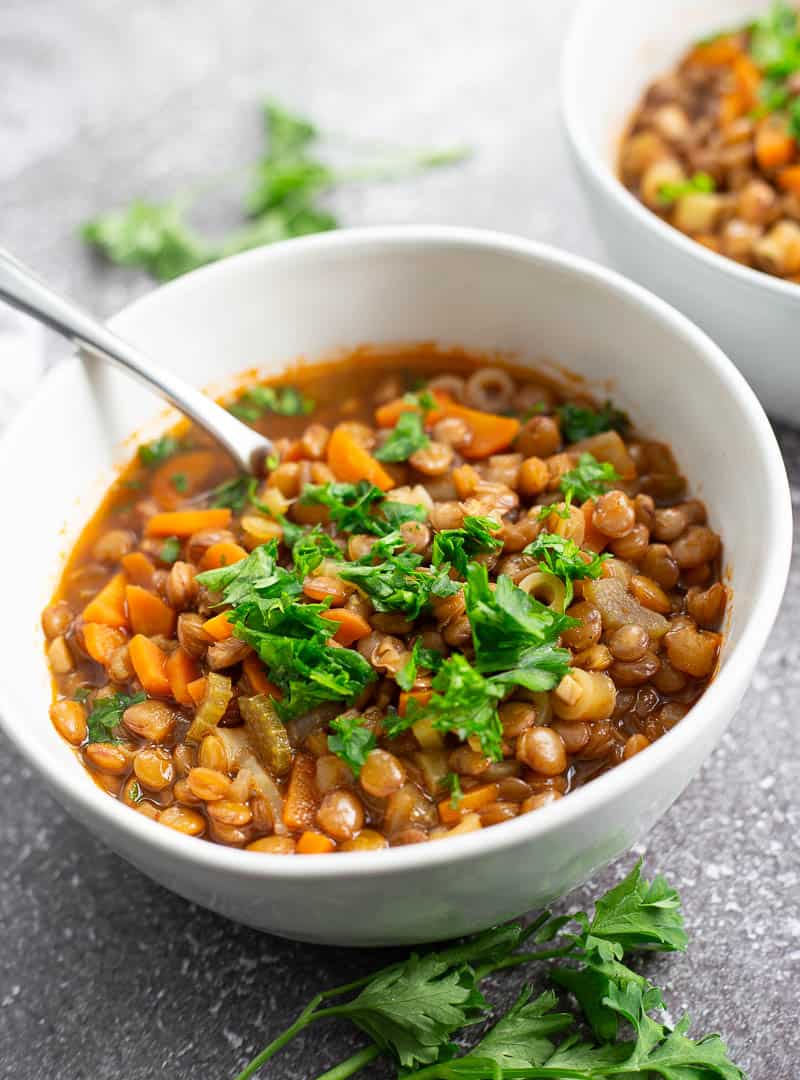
x: 235, y: 493
x: 588, y: 480
x: 579, y: 422
x: 310, y: 550
x: 396, y: 513
x: 158, y: 239
x: 398, y: 583
x: 640, y: 915
x: 698, y: 182
x: 180, y: 482
x: 351, y: 507
x: 258, y: 400
x: 521, y: 1037
x: 561, y: 556
x: 107, y: 714
x: 420, y: 657
x: 458, y: 546
x: 775, y: 41
x: 453, y: 782
x: 157, y: 451
x: 351, y: 741
x: 407, y: 436
x: 170, y: 550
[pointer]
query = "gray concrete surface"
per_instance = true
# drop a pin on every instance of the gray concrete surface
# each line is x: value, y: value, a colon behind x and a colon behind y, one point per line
x: 103, y: 974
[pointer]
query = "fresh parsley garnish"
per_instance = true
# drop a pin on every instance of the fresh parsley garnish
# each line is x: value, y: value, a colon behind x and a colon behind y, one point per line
x: 580, y: 422
x: 157, y: 451
x: 775, y: 41
x: 351, y: 740
x: 234, y: 494
x: 311, y: 548
x: 351, y: 507
x: 453, y: 784
x: 457, y: 546
x: 407, y: 436
x: 588, y: 480
x: 107, y: 714
x: 420, y: 657
x: 82, y: 693
x: 180, y: 482
x: 256, y: 401
x: 170, y: 550
x: 398, y: 583
x: 698, y: 182
x: 561, y: 556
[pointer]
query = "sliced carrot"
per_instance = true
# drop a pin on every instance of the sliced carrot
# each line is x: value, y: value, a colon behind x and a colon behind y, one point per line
x: 149, y: 663
x: 721, y: 52
x: 181, y: 477
x: 186, y: 522
x: 489, y: 433
x: 197, y: 689
x: 181, y: 670
x: 138, y: 568
x: 352, y: 626
x: 102, y: 641
x: 257, y: 677
x: 422, y: 697
x: 302, y: 799
x: 108, y: 606
x: 748, y: 80
x: 774, y: 145
x: 349, y: 461
x: 148, y: 614
x: 225, y: 553
x: 593, y: 539
x: 789, y: 179
x: 387, y: 415
x: 219, y: 627
x: 314, y: 843
x: 470, y: 801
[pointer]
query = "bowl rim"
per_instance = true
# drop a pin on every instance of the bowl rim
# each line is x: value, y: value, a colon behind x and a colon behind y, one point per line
x: 723, y: 694
x: 602, y: 171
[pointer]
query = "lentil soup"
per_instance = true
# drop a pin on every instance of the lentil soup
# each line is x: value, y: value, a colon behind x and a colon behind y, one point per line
x: 712, y: 147
x: 459, y: 592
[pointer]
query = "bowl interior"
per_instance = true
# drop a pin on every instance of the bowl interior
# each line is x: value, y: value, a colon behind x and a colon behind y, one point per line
x: 383, y: 286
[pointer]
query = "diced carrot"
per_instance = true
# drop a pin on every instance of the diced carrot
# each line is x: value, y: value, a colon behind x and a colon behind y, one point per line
x: 774, y: 145
x: 138, y: 568
x: 422, y: 697
x: 721, y: 52
x: 225, y: 553
x: 219, y: 627
x: 489, y: 433
x: 470, y: 801
x: 108, y: 606
x: 149, y: 663
x: 181, y: 477
x: 257, y: 677
x: 314, y: 843
x: 789, y: 179
x: 102, y: 641
x: 147, y: 613
x: 731, y: 106
x: 593, y: 539
x: 181, y: 670
x: 387, y: 415
x: 748, y: 80
x: 302, y: 800
x: 349, y: 461
x: 197, y: 689
x: 186, y: 522
x: 352, y: 626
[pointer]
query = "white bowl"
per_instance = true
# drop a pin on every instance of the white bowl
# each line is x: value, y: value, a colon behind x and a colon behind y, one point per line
x: 612, y: 52
x: 380, y: 286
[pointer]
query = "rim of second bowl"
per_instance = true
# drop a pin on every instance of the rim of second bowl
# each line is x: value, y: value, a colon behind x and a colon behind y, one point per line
x: 602, y: 171
x: 724, y: 693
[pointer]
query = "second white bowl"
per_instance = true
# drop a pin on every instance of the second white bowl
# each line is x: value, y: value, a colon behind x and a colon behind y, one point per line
x: 612, y: 52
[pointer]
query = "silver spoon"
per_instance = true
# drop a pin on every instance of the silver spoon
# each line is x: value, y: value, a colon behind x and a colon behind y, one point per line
x: 21, y: 288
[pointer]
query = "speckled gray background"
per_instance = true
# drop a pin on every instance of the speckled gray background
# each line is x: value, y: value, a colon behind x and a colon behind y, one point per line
x: 102, y: 974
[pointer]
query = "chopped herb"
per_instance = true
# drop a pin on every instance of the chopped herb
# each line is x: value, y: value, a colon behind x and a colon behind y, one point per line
x: 794, y: 119
x: 259, y: 400
x: 407, y: 436
x: 561, y: 556
x: 170, y: 550
x: 157, y: 451
x: 420, y: 657
x: 775, y: 41
x: 699, y: 182
x: 234, y: 494
x: 180, y: 482
x: 351, y: 741
x: 310, y: 550
x: 399, y: 583
x: 272, y: 462
x: 107, y: 714
x: 350, y: 506
x: 397, y: 513
x: 457, y: 546
x: 135, y: 792
x: 579, y: 422
x: 134, y: 484
x: 453, y: 782
x: 82, y: 693
x: 421, y: 399
x: 588, y: 480
x: 535, y: 410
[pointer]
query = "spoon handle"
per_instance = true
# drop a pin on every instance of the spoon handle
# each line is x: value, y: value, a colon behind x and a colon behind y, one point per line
x: 21, y: 288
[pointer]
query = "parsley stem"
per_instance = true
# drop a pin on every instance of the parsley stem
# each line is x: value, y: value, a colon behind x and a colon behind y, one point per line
x: 524, y: 958
x: 352, y: 1064
x: 302, y: 1021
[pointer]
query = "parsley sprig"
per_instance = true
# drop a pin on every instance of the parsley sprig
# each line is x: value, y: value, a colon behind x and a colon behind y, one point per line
x: 406, y: 437
x: 477, y: 536
x: 256, y: 401
x: 561, y: 556
x: 699, y: 182
x: 398, y: 583
x: 413, y: 1010
x: 351, y: 740
x: 588, y: 480
x: 581, y: 422
x: 352, y: 507
x: 107, y: 715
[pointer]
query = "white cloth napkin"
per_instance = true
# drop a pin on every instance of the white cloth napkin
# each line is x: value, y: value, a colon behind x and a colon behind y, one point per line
x: 22, y: 360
